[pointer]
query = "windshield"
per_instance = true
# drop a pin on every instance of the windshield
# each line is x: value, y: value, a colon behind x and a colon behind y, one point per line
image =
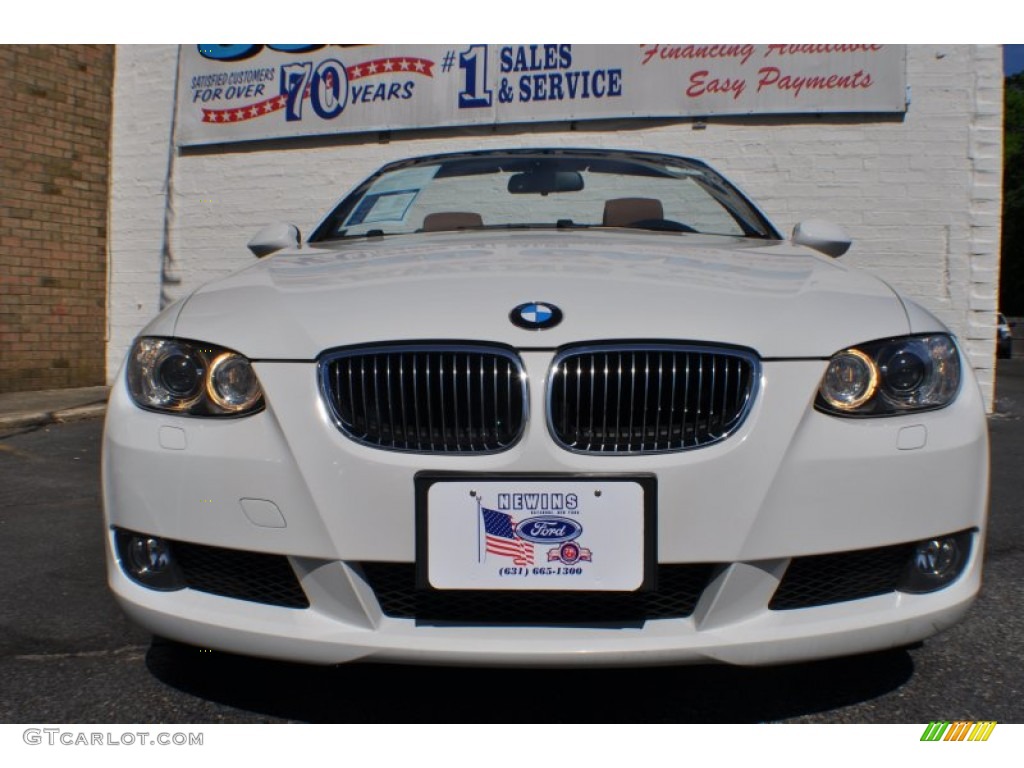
x: 545, y: 189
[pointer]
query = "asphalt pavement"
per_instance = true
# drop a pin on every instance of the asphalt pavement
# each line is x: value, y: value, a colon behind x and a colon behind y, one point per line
x: 68, y: 654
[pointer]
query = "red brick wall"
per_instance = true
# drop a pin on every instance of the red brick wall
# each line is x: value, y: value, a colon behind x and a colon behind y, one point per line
x: 54, y: 147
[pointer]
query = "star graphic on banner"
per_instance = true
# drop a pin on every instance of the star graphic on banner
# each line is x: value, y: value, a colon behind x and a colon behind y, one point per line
x: 403, y: 64
x: 357, y: 72
x: 239, y: 115
x: 419, y: 66
x: 372, y: 68
x: 389, y: 65
x: 268, y: 106
x: 254, y: 111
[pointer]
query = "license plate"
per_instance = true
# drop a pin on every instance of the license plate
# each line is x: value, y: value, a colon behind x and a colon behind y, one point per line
x: 529, y: 533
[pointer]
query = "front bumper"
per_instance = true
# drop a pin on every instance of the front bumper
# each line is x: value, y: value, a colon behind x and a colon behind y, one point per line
x: 791, y: 483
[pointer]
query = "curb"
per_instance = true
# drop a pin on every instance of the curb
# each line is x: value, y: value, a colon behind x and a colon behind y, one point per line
x: 42, y: 418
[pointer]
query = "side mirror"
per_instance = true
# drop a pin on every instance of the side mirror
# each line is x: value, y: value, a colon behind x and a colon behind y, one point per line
x: 823, y: 236
x: 274, y: 237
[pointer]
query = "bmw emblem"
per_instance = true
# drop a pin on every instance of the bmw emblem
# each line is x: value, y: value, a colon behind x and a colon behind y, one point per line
x: 536, y: 316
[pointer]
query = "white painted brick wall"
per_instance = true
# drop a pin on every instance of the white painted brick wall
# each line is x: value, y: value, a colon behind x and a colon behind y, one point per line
x: 140, y: 140
x: 921, y: 195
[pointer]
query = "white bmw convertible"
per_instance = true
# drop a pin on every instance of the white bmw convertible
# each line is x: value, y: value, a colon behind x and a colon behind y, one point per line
x: 546, y: 407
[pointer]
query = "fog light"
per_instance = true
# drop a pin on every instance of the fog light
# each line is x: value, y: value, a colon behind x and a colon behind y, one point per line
x: 148, y: 560
x: 936, y: 563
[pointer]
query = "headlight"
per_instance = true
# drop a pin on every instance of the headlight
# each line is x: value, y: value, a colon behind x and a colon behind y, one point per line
x: 889, y: 377
x: 192, y: 378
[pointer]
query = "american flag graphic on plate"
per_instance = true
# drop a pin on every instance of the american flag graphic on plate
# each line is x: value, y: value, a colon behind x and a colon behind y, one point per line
x: 500, y: 537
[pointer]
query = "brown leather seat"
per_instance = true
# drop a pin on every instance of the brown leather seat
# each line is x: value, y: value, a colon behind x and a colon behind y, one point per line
x: 624, y: 211
x: 449, y: 220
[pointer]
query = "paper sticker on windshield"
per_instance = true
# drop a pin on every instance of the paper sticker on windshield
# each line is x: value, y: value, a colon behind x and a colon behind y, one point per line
x: 388, y: 206
x: 389, y: 198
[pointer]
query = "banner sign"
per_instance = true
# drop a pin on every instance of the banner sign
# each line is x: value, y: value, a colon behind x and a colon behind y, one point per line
x: 230, y: 93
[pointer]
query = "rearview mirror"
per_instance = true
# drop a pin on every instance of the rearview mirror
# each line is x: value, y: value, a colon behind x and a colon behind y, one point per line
x: 823, y: 236
x: 543, y: 182
x: 275, y: 237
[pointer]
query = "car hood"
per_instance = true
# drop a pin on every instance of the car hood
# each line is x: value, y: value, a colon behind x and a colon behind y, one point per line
x: 775, y: 298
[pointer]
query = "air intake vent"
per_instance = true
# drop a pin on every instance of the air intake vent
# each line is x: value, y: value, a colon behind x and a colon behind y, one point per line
x: 825, y: 579
x: 679, y: 587
x: 253, y: 576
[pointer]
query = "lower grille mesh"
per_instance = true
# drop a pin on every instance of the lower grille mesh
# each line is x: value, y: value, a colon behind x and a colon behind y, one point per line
x: 825, y: 579
x: 252, y: 576
x: 678, y: 589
